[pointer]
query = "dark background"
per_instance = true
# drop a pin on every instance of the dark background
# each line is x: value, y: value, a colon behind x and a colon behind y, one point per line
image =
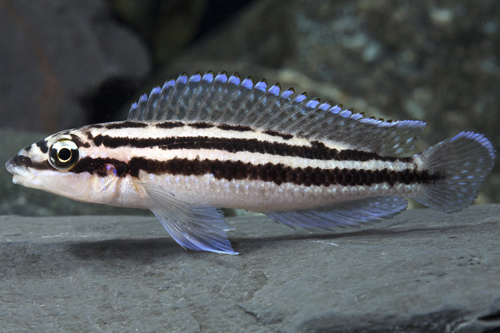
x: 65, y: 64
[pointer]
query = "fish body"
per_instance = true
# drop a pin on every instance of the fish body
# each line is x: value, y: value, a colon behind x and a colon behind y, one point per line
x: 209, y: 141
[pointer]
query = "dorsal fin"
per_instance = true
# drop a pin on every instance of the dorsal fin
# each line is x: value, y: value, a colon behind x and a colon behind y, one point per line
x: 228, y: 99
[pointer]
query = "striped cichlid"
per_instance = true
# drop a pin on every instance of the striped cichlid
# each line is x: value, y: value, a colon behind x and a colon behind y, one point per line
x: 209, y: 141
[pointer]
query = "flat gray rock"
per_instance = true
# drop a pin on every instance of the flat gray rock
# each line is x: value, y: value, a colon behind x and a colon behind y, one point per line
x: 421, y: 271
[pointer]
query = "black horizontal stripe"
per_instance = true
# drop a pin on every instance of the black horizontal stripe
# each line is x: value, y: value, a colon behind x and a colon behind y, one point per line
x: 238, y: 128
x: 21, y: 160
x: 170, y: 124
x: 130, y: 124
x: 101, y: 166
x: 278, y: 173
x: 201, y: 125
x: 317, y: 150
x: 237, y: 170
x: 174, y: 124
x: 282, y: 135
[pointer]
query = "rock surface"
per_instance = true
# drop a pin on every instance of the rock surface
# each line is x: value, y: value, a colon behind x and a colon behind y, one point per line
x: 421, y: 271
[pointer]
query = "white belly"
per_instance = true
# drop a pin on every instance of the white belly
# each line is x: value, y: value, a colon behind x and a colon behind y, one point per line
x: 257, y: 196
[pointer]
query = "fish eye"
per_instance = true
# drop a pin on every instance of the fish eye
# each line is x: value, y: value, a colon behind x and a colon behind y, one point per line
x: 63, y: 154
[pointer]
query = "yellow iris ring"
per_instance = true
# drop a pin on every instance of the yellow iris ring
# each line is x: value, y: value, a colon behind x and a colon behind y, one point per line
x: 63, y: 155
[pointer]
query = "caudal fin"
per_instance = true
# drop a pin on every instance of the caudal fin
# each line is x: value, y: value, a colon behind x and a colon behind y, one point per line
x: 464, y: 161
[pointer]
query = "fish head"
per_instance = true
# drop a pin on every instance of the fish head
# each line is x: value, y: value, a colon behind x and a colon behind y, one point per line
x: 50, y: 165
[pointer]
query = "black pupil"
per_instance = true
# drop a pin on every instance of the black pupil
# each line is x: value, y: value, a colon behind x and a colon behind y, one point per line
x: 64, y: 154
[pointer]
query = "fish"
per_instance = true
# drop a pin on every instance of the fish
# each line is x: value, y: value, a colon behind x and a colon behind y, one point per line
x: 207, y: 141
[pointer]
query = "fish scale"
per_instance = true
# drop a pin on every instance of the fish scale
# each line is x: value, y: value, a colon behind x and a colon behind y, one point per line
x: 208, y: 141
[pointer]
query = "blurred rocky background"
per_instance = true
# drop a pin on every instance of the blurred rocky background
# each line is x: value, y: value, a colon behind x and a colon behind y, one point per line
x: 69, y: 63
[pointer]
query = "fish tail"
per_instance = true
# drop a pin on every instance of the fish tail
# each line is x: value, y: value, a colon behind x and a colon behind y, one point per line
x: 461, y: 165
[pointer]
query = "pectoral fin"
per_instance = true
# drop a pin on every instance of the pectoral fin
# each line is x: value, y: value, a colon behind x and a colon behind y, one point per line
x: 199, y: 228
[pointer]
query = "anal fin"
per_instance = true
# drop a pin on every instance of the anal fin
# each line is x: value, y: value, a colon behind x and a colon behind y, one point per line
x: 342, y: 214
x: 198, y: 228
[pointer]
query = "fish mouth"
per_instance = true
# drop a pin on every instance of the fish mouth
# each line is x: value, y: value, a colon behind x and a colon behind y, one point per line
x: 11, y: 165
x: 19, y: 171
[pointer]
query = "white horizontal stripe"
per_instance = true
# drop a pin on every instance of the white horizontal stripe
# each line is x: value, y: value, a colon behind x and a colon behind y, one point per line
x: 152, y: 132
x: 126, y: 153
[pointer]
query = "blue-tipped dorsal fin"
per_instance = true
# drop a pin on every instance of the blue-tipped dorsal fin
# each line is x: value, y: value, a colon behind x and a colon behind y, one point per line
x: 228, y: 99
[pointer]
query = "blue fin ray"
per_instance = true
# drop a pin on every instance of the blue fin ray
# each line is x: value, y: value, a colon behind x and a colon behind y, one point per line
x: 342, y: 214
x: 227, y: 99
x: 463, y: 162
x: 199, y: 228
